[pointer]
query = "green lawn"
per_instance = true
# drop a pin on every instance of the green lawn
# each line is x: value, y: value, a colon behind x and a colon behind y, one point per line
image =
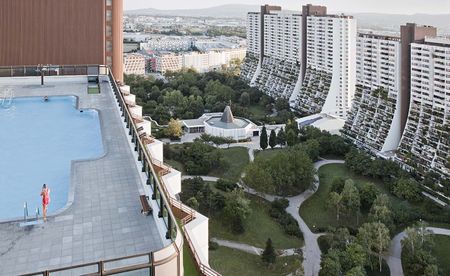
x: 268, y: 153
x: 237, y: 158
x: 315, y: 212
x: 231, y: 262
x: 175, y: 164
x: 189, y: 262
x: 258, y: 228
x: 257, y: 111
x: 441, y: 251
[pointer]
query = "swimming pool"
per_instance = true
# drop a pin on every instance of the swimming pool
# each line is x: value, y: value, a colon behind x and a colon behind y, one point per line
x: 38, y: 141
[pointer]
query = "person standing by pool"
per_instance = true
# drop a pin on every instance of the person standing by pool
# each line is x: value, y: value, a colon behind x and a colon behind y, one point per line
x: 45, y: 194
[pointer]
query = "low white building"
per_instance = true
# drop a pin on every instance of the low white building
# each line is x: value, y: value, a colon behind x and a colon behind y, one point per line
x: 222, y: 125
x: 322, y: 121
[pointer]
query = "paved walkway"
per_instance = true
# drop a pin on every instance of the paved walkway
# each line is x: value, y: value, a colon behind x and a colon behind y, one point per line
x: 394, y: 260
x: 104, y: 220
x: 252, y: 249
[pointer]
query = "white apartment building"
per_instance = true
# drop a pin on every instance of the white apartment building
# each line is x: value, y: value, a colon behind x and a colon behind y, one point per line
x: 425, y: 143
x: 273, y: 61
x: 282, y: 36
x: 251, y: 62
x: 330, y: 77
x: 168, y: 62
x: 200, y: 61
x: 375, y: 118
x: 134, y: 64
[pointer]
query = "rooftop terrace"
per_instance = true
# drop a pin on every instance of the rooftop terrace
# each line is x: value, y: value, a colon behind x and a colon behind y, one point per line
x: 102, y: 219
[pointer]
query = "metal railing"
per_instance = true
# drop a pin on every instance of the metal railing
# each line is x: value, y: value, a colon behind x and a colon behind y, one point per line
x: 100, y: 268
x: 53, y: 70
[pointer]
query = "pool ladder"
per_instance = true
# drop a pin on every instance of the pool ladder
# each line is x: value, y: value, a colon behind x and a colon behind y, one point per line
x: 25, y: 212
x: 7, y: 98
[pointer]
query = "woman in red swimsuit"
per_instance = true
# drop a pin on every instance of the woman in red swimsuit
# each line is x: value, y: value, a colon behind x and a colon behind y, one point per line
x: 45, y: 194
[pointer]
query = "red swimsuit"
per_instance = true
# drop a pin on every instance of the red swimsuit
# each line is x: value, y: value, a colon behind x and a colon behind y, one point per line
x: 45, y: 197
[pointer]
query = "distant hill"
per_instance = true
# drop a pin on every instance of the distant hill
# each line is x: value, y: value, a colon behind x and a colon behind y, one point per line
x: 224, y: 11
x: 393, y: 21
x: 366, y: 20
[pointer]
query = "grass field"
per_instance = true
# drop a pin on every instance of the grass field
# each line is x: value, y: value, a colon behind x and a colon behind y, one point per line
x: 237, y: 158
x: 315, y: 212
x: 268, y: 153
x: 259, y: 226
x: 441, y: 251
x: 231, y: 262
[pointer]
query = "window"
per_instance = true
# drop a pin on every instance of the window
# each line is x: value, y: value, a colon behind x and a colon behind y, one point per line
x: 108, y: 46
x: 108, y: 15
x: 108, y: 30
x: 108, y: 3
x: 108, y: 60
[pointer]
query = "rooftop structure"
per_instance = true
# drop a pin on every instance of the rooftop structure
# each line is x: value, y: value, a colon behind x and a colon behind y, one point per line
x: 222, y: 125
x: 110, y: 197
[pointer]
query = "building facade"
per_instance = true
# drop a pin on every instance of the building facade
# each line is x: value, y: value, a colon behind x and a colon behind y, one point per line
x: 134, y: 64
x: 425, y: 144
x: 374, y: 120
x: 307, y: 57
x: 62, y: 32
x: 330, y: 76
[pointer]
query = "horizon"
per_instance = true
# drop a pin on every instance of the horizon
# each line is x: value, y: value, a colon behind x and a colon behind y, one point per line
x: 414, y: 7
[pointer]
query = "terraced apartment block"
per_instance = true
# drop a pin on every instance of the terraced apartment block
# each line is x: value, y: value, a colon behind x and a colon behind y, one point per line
x: 374, y: 120
x: 425, y: 144
x: 307, y: 57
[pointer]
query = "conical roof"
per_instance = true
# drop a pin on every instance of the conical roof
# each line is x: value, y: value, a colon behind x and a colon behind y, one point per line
x: 227, y: 116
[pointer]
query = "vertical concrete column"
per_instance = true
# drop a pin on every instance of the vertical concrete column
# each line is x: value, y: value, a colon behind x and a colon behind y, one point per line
x: 117, y: 36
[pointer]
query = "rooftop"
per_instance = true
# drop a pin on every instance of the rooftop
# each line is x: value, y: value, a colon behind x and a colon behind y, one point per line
x: 103, y: 220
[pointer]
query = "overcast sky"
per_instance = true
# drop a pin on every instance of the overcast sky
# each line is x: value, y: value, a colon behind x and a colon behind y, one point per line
x: 381, y: 6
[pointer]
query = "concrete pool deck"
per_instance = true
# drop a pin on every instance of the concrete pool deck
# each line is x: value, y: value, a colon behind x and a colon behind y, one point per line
x: 103, y: 220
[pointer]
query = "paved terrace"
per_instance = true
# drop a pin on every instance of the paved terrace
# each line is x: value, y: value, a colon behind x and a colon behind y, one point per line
x: 104, y: 220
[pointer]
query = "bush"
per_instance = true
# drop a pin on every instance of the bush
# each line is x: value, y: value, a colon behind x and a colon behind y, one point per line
x: 226, y: 185
x: 213, y: 245
x: 278, y: 212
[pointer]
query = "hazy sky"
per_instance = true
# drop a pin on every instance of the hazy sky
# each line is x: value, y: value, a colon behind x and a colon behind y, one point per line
x: 383, y: 6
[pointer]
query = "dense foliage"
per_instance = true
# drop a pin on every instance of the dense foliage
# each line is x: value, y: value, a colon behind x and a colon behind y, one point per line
x: 188, y: 94
x: 289, y: 224
x: 286, y: 173
x: 198, y: 158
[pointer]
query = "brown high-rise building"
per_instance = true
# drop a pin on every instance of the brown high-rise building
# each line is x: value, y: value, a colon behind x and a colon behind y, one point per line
x: 62, y: 32
x: 410, y: 33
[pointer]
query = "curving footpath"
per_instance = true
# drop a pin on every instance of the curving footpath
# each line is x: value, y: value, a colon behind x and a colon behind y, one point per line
x: 252, y: 249
x: 311, y: 250
x: 394, y: 260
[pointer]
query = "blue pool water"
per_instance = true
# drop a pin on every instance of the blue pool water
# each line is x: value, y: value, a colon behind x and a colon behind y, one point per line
x: 38, y: 141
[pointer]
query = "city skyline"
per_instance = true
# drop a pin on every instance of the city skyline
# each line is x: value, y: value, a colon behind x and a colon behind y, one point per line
x: 349, y: 6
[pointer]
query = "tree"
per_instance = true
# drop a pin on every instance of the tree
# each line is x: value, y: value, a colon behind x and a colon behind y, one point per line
x: 245, y: 99
x: 368, y: 193
x: 236, y: 210
x: 407, y: 188
x: 353, y: 256
x: 272, y: 139
x: 268, y: 256
x: 374, y: 237
x: 380, y: 211
x: 350, y: 198
x: 193, y: 203
x: 281, y: 137
x: 356, y: 271
x: 174, y: 129
x: 335, y: 201
x: 330, y: 265
x: 263, y: 138
x: 291, y: 138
